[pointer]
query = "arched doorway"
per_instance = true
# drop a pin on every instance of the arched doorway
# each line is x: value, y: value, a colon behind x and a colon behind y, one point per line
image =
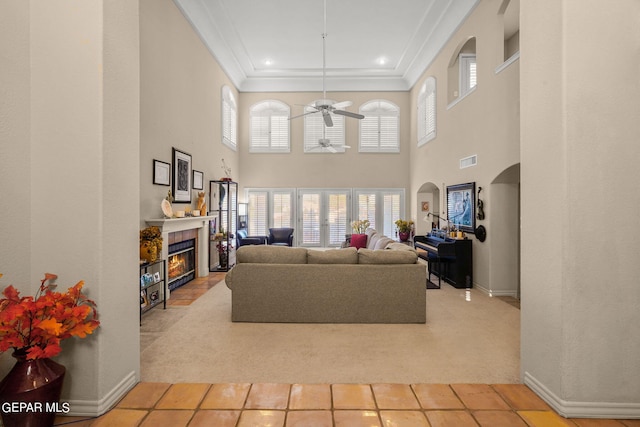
x: 428, y: 202
x: 503, y: 235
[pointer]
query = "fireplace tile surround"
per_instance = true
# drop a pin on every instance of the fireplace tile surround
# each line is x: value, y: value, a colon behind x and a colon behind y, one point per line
x: 179, y: 229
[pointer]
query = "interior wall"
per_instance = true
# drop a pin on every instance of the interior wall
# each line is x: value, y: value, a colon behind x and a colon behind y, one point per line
x: 485, y: 123
x: 73, y: 133
x: 180, y: 103
x: 324, y: 170
x: 580, y: 144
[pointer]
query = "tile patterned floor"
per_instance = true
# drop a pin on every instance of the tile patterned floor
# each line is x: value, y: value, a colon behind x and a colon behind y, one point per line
x: 334, y: 405
x: 330, y: 405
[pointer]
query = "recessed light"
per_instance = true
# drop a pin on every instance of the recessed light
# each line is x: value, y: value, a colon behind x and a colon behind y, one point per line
x: 268, y: 61
x: 381, y: 61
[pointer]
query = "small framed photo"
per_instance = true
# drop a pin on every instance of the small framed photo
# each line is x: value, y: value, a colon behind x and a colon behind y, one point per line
x: 181, y: 181
x: 161, y: 172
x: 425, y: 206
x: 156, y: 277
x: 198, y: 180
x: 154, y: 296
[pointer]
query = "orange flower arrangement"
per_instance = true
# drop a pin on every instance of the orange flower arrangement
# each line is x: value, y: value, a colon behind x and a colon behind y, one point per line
x: 37, y: 325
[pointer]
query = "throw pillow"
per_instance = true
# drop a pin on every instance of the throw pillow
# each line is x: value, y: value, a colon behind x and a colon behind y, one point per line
x: 358, y: 241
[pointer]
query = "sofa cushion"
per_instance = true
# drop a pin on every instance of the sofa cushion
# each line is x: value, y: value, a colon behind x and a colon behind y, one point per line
x: 397, y: 246
x: 266, y: 254
x: 373, y: 240
x: 368, y: 256
x: 358, y: 241
x: 383, y: 242
x: 333, y: 256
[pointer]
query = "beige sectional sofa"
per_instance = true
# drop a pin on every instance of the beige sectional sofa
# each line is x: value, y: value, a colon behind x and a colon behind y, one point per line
x: 299, y: 285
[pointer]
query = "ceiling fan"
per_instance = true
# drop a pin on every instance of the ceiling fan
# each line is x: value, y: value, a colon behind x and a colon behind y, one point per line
x: 324, y: 105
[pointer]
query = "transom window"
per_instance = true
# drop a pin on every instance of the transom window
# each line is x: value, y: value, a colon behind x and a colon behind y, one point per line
x: 379, y: 130
x: 229, y: 118
x: 315, y: 129
x: 269, y: 127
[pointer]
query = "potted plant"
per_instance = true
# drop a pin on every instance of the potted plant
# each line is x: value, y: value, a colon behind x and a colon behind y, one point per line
x: 150, y: 244
x: 34, y: 328
x: 404, y: 229
x: 359, y: 226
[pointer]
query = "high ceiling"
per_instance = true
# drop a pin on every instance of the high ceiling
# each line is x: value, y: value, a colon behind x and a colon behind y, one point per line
x: 276, y: 45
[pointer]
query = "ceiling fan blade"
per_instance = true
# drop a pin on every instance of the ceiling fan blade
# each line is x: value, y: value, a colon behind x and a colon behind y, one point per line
x: 331, y: 149
x: 343, y: 104
x: 327, y: 118
x: 304, y: 114
x: 349, y: 114
x: 346, y: 146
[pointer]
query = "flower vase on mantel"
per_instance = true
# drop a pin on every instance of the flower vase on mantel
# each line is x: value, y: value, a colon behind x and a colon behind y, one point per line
x: 34, y: 386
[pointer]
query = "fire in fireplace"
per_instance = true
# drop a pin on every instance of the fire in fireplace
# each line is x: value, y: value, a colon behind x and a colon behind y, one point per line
x: 182, y: 263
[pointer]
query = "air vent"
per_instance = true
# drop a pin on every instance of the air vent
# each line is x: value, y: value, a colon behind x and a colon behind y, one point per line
x: 467, y: 162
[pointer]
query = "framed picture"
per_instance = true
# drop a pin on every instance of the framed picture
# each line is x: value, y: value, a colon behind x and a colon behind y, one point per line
x: 181, y: 188
x: 461, y: 206
x: 198, y: 180
x: 425, y: 206
x: 156, y: 277
x: 161, y: 172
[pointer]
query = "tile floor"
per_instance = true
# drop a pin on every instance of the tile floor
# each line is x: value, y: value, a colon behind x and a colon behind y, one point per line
x: 331, y: 405
x: 334, y: 405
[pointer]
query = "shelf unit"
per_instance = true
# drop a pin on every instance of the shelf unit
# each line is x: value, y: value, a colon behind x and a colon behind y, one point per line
x: 223, y: 202
x: 153, y: 285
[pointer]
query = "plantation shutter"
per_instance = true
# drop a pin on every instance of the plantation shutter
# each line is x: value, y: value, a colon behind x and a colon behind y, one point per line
x: 311, y: 218
x: 392, y: 209
x: 269, y: 127
x: 282, y: 210
x: 337, y: 216
x: 367, y: 208
x: 257, y: 209
x: 379, y: 130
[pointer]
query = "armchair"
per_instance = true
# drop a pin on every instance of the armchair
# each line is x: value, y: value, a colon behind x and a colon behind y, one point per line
x: 242, y: 239
x: 280, y: 236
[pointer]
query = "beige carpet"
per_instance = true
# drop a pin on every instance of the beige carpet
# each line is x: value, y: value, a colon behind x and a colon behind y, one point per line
x: 468, y: 338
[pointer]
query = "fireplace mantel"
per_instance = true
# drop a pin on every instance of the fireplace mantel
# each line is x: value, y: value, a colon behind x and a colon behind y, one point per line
x: 172, y: 225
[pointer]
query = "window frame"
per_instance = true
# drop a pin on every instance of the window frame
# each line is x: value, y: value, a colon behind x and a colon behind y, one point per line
x: 427, y: 111
x: 229, y: 126
x: 271, y: 109
x: 380, y: 113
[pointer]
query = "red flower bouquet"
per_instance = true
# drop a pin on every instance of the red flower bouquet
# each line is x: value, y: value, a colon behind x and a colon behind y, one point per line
x: 37, y: 325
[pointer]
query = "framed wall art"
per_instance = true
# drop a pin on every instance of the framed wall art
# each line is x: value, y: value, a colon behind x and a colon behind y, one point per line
x: 181, y: 188
x: 461, y: 206
x: 161, y: 172
x: 198, y: 180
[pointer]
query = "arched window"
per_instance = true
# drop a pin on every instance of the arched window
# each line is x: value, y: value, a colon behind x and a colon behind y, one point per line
x: 462, y: 72
x: 380, y: 128
x: 315, y: 129
x: 269, y: 127
x: 229, y: 118
x: 427, y: 112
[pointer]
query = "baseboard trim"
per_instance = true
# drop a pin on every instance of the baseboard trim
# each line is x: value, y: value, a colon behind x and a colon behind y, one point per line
x: 95, y: 408
x: 491, y: 293
x: 568, y: 409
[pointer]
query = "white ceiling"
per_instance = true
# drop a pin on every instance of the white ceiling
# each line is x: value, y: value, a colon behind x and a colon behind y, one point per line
x: 243, y: 34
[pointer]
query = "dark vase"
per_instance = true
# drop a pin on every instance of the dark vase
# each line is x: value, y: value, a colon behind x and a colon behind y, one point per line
x: 30, y: 393
x: 404, y: 236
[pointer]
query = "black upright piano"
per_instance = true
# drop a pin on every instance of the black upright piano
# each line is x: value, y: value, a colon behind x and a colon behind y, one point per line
x: 449, y: 258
